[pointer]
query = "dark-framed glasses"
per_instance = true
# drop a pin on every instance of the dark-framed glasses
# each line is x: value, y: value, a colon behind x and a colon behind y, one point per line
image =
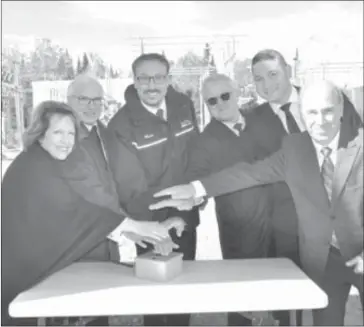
x: 87, y: 101
x: 157, y: 79
x: 223, y: 96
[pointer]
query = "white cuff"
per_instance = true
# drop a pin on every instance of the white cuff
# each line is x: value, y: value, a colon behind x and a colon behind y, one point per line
x: 116, y: 234
x: 199, y: 189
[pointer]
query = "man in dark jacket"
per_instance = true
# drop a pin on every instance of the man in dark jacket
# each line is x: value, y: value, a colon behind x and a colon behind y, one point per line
x: 85, y: 94
x: 243, y: 217
x: 156, y: 125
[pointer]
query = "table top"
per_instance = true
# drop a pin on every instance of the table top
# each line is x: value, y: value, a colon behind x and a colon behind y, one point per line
x: 100, y: 288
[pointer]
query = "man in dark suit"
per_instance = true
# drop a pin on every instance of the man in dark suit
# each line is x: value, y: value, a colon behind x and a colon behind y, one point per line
x: 243, y: 217
x: 270, y: 122
x: 323, y: 167
x: 97, y: 147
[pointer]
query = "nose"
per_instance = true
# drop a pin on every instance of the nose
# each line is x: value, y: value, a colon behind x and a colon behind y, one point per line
x: 67, y: 139
x: 320, y: 119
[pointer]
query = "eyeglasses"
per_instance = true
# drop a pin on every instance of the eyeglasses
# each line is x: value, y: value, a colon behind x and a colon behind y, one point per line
x: 87, y: 101
x: 223, y: 96
x: 157, y: 79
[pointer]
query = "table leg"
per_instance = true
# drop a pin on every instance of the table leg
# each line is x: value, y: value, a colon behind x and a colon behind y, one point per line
x: 292, y: 318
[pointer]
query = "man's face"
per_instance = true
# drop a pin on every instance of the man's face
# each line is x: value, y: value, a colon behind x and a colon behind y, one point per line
x: 321, y: 111
x: 221, y: 100
x: 151, y: 82
x: 272, y: 80
x: 88, y: 102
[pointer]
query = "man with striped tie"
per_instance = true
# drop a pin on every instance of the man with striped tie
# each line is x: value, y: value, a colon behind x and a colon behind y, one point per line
x: 244, y: 217
x: 323, y: 168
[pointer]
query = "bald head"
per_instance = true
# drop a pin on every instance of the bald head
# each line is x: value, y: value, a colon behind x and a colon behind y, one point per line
x: 85, y: 95
x: 322, y: 109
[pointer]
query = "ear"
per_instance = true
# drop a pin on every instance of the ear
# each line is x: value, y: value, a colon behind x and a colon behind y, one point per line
x: 288, y: 70
x: 169, y: 79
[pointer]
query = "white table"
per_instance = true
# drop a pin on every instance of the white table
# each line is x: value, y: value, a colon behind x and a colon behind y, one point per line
x: 95, y: 289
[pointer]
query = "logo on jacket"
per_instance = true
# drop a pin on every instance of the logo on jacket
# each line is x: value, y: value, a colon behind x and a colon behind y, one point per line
x: 186, y: 123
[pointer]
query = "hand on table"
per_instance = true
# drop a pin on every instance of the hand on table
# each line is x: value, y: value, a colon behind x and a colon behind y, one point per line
x: 356, y: 263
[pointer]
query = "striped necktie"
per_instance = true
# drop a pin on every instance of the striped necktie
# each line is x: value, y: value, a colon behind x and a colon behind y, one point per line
x: 327, y: 170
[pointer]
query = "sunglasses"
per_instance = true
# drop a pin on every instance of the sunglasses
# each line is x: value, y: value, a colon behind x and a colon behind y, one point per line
x: 223, y: 96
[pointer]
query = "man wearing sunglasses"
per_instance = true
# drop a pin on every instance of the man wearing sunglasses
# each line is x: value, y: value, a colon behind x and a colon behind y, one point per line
x: 243, y: 217
x: 157, y: 123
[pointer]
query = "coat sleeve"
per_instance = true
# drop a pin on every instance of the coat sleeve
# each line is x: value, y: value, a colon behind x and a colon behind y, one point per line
x: 244, y: 175
x: 45, y: 226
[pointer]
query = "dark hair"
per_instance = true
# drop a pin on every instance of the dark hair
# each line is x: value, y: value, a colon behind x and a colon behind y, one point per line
x: 268, y: 54
x: 150, y: 57
x: 41, y: 117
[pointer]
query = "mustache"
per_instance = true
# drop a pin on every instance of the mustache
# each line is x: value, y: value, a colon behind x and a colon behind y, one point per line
x: 153, y: 91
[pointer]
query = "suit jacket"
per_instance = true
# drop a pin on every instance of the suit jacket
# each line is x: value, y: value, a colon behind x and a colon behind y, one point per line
x: 216, y: 148
x: 296, y: 164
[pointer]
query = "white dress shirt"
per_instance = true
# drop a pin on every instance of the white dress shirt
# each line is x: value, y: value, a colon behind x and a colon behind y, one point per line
x: 154, y: 110
x: 294, y: 109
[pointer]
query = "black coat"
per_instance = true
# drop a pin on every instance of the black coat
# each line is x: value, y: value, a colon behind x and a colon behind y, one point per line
x: 46, y: 224
x: 155, y: 151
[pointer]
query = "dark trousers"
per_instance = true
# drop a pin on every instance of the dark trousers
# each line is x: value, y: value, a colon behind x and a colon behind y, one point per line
x: 337, y: 282
x: 187, y: 246
x: 245, y: 232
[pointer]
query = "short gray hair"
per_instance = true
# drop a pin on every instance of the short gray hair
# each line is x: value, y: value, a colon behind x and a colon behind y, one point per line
x: 218, y: 78
x: 79, y: 83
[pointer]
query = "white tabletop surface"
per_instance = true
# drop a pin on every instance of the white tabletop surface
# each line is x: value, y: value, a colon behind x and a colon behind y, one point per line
x: 91, y: 289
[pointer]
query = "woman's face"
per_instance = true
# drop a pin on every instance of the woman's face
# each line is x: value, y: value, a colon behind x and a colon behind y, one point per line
x: 59, y: 138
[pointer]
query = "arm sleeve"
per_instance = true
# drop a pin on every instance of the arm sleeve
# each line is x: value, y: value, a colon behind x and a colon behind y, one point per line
x: 244, y: 175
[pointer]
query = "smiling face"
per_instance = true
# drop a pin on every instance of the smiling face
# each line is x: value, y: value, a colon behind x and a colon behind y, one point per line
x: 321, y: 110
x: 87, y: 100
x: 59, y: 138
x: 272, y: 80
x: 151, y: 82
x: 221, y: 99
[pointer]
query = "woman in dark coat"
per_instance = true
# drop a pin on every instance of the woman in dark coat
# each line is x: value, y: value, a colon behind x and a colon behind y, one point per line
x: 46, y: 223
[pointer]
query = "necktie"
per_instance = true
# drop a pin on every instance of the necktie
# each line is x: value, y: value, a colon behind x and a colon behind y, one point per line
x: 160, y: 114
x: 239, y: 127
x: 291, y: 122
x: 327, y: 170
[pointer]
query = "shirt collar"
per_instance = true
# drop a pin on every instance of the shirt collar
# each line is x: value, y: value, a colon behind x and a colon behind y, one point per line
x: 153, y: 110
x: 293, y: 98
x: 333, y: 145
x: 241, y: 120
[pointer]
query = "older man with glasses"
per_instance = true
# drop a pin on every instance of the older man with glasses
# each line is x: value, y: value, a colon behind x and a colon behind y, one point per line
x: 244, y: 217
x: 157, y: 124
